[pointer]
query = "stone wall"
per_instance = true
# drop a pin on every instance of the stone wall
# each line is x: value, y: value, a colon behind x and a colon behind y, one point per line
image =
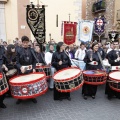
x: 109, y: 13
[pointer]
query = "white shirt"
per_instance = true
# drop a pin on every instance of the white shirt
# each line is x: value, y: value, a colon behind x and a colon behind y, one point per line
x: 48, y: 57
x: 80, y: 54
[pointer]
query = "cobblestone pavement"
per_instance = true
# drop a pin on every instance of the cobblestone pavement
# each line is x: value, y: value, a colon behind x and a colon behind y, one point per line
x: 76, y: 109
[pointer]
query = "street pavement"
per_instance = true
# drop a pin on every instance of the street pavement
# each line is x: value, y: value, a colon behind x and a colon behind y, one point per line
x: 77, y: 109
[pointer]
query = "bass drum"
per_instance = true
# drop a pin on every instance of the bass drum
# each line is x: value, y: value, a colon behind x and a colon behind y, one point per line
x: 3, y: 84
x: 68, y: 79
x: 28, y: 86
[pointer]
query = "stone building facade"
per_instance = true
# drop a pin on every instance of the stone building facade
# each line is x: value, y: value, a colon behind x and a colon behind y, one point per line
x: 109, y: 14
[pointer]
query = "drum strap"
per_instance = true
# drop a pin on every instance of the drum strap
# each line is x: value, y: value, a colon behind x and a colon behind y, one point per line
x: 36, y: 58
x: 71, y: 59
x: 101, y: 60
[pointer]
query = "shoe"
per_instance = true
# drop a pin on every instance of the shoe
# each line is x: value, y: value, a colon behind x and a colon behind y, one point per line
x: 93, y: 97
x: 3, y: 105
x: 109, y: 97
x: 51, y: 89
x: 18, y: 101
x: 8, y: 95
x: 34, y: 100
x: 69, y: 98
x: 60, y: 99
x: 85, y: 97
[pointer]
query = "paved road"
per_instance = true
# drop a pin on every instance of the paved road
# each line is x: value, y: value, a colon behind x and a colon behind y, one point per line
x: 77, y: 109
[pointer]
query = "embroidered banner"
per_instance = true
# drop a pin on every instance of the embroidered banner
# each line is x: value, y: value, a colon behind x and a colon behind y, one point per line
x: 113, y: 36
x: 99, y: 25
x: 36, y: 21
x: 69, y: 30
x: 85, y: 30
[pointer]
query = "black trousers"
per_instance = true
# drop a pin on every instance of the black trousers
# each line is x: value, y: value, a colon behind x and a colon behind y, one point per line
x: 89, y: 90
x: 2, y: 97
x: 110, y: 92
x: 60, y: 95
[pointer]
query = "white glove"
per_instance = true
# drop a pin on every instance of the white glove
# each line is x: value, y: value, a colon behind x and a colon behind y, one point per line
x: 117, y: 60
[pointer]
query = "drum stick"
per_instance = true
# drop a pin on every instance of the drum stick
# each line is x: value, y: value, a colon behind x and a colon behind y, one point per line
x: 71, y: 59
x: 101, y: 61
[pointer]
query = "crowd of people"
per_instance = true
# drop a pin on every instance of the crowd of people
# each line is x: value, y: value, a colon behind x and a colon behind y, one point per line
x: 22, y: 52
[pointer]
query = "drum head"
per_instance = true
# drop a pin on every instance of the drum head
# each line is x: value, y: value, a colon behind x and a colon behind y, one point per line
x: 11, y: 72
x: 93, y: 72
x: 66, y: 73
x: 115, y: 75
x: 27, y: 78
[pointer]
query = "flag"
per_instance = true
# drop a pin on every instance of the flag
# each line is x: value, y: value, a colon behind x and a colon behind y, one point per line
x: 85, y: 30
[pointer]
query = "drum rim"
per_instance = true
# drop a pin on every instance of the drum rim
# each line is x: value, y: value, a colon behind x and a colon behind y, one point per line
x: 62, y: 80
x: 104, y: 73
x: 45, y: 66
x: 113, y: 79
x: 4, y: 91
x: 44, y: 77
x: 1, y: 76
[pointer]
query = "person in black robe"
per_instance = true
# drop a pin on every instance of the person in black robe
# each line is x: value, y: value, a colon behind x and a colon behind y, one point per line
x: 114, y: 59
x: 9, y: 59
x: 40, y: 57
x: 60, y: 61
x: 91, y: 57
x: 25, y: 58
x: 2, y: 52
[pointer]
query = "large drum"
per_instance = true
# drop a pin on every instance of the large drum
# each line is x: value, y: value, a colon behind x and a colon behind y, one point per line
x: 28, y: 86
x: 114, y: 80
x: 3, y: 84
x: 46, y: 69
x: 94, y: 77
x: 68, y: 79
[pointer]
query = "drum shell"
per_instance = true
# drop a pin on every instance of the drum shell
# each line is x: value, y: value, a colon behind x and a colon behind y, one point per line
x: 3, y: 85
x: 33, y: 88
x: 46, y: 69
x: 114, y: 83
x: 95, y: 79
x: 70, y: 84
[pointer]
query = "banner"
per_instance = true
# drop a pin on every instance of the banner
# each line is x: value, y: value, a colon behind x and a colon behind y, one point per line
x: 85, y: 30
x: 113, y: 36
x: 69, y: 31
x: 36, y: 21
x: 99, y: 25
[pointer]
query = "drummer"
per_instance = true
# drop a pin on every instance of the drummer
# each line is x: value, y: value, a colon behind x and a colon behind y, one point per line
x: 9, y: 61
x: 60, y: 61
x: 92, y: 63
x: 40, y: 56
x: 2, y: 51
x: 114, y: 59
x: 25, y: 58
